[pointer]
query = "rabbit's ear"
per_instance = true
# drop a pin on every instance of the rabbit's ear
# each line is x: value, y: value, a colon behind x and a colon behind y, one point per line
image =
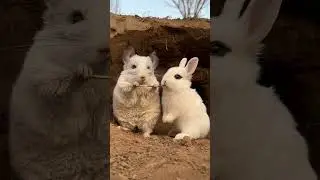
x: 232, y: 9
x: 154, y: 59
x: 183, y: 62
x: 192, y: 65
x: 260, y: 17
x: 127, y: 54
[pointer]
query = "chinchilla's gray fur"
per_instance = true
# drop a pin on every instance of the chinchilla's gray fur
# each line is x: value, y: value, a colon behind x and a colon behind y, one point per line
x: 58, y: 115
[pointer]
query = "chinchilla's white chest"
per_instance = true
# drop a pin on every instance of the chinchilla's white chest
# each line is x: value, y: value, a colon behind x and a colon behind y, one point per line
x: 141, y: 92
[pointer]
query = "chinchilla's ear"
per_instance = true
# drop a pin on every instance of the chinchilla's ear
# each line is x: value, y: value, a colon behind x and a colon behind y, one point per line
x: 183, y: 62
x: 154, y: 59
x: 192, y: 65
x: 127, y: 54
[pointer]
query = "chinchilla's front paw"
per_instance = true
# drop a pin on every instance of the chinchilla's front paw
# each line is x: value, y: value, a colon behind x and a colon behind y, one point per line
x: 84, y: 71
x: 155, y: 85
x: 125, y: 86
x: 136, y: 84
x: 55, y: 87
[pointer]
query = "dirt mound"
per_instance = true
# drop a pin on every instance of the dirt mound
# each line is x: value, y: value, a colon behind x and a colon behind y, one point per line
x: 157, y: 158
x: 121, y: 24
x: 133, y: 156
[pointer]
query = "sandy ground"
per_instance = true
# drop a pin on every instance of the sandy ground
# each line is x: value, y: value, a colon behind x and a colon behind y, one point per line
x: 158, y: 157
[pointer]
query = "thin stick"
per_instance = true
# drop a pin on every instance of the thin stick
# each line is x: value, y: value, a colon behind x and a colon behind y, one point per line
x: 100, y: 77
x: 109, y: 77
x: 146, y: 86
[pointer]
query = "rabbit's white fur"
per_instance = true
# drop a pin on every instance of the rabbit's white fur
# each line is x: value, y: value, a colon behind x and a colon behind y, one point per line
x: 52, y: 103
x: 134, y: 105
x: 254, y: 136
x: 181, y: 104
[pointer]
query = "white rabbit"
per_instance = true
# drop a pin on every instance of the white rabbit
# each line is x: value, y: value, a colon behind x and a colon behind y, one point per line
x: 53, y: 102
x: 136, y: 98
x: 181, y: 104
x: 255, y: 136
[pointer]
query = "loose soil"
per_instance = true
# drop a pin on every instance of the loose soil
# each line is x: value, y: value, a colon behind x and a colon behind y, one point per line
x: 158, y: 157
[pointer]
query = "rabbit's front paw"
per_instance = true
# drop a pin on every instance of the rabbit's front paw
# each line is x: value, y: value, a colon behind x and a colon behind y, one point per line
x: 168, y: 118
x: 84, y: 71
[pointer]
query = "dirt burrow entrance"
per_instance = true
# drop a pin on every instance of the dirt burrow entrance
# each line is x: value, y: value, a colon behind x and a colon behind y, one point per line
x: 171, y: 45
x: 160, y: 157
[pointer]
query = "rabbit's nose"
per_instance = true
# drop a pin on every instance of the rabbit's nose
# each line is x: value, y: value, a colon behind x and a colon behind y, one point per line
x: 164, y: 83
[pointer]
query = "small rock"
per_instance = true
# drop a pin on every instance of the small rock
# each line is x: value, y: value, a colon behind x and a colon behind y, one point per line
x: 186, y: 141
x: 134, y: 176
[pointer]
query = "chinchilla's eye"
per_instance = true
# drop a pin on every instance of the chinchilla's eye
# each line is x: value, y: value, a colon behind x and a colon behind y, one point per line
x: 148, y: 67
x: 218, y: 48
x: 76, y: 16
x: 177, y: 76
x: 133, y: 66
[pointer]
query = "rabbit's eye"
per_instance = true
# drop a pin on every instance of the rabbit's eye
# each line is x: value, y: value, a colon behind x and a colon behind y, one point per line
x: 218, y: 48
x: 148, y: 67
x: 133, y: 66
x: 76, y: 16
x: 177, y: 76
